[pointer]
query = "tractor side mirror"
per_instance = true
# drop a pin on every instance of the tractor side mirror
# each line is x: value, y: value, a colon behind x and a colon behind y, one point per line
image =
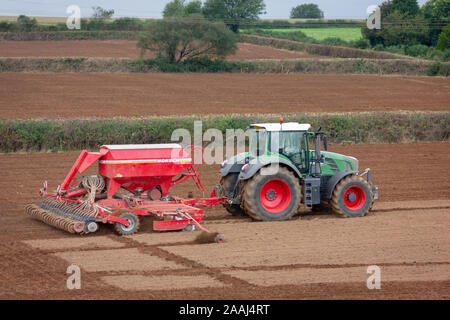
x: 325, y: 143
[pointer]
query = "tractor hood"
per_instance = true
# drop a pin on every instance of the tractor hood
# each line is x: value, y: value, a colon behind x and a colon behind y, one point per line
x: 341, y: 161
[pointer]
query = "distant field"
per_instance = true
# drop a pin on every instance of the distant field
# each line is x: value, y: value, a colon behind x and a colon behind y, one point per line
x: 41, y: 20
x: 347, y: 34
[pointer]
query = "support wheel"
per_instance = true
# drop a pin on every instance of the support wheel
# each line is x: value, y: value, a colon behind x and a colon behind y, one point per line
x: 272, y: 197
x: 189, y: 228
x: 220, y: 238
x: 352, y: 197
x: 133, y: 226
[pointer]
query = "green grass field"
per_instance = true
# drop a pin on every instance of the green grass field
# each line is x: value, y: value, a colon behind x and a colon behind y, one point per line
x: 347, y: 34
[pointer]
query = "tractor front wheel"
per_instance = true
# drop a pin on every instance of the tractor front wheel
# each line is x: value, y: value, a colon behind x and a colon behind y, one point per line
x: 132, y: 228
x: 352, y: 197
x: 272, y: 197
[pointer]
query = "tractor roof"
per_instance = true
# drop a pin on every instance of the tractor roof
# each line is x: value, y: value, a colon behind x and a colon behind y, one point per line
x: 288, y: 126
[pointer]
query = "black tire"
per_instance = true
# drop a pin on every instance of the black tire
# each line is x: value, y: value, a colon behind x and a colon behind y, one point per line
x: 132, y: 228
x: 257, y: 203
x: 228, y: 182
x: 352, y: 197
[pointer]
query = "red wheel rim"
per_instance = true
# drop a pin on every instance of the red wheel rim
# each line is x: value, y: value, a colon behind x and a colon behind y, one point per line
x: 275, y: 196
x: 354, y: 198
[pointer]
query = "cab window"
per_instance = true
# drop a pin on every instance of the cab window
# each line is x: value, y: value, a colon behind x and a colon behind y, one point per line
x: 291, y: 144
x: 258, y: 142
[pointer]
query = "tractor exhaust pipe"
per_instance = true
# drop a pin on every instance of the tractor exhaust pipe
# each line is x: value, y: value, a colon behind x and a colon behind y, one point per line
x: 317, y: 171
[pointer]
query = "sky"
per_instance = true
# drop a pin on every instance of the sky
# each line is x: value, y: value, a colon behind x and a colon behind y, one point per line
x: 276, y: 9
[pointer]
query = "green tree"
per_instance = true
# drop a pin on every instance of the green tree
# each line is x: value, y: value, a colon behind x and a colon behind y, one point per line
x: 177, y: 39
x: 234, y: 12
x: 436, y: 13
x: 26, y: 24
x: 179, y: 8
x: 193, y: 7
x: 398, y: 27
x: 98, y: 19
x: 444, y: 39
x: 100, y: 13
x: 306, y: 11
x: 408, y: 8
x: 174, y: 9
x: 375, y: 36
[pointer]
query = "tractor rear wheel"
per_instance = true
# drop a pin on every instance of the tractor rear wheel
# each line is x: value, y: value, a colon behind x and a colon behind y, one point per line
x: 272, y: 197
x: 132, y: 228
x: 228, y: 182
x: 352, y: 197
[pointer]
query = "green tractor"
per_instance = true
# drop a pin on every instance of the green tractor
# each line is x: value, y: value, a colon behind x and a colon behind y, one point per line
x: 280, y: 172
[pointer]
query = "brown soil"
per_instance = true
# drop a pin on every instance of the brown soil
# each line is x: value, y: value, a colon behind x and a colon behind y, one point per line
x: 68, y: 95
x: 342, y: 242
x: 116, y: 260
x: 141, y: 282
x: 358, y: 275
x: 406, y: 236
x: 124, y: 49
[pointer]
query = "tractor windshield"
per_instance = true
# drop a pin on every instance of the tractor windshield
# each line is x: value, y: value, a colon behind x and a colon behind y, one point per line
x: 258, y: 142
x: 293, y: 145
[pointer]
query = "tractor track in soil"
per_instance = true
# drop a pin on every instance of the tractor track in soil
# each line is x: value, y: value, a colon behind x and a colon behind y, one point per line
x: 414, y: 258
x: 103, y: 95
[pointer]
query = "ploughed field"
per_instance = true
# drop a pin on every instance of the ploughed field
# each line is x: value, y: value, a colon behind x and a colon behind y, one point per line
x: 80, y: 95
x: 315, y: 255
x: 126, y: 49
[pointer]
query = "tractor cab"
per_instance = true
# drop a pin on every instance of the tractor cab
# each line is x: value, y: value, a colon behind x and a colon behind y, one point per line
x: 288, y: 140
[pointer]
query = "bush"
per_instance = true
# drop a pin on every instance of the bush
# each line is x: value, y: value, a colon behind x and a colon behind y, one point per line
x: 317, y: 49
x: 444, y: 39
x: 445, y: 70
x: 318, y: 66
x: 360, y: 44
x: 25, y: 24
x: 418, y: 50
x: 333, y: 41
x: 68, y: 35
x: 5, y: 26
x: 395, y: 49
x: 434, y: 69
x: 127, y: 24
x: 435, y: 54
x: 378, y: 47
x: 63, y: 135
